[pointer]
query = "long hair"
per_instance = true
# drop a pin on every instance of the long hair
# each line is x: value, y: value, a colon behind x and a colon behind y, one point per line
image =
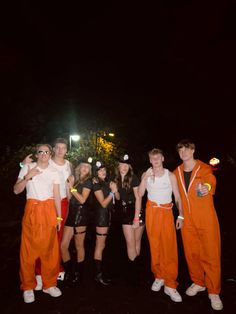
x: 78, y: 177
x: 126, y: 184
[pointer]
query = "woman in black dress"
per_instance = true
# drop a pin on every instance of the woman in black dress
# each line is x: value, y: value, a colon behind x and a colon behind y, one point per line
x: 104, y: 192
x: 132, y: 215
x: 79, y: 188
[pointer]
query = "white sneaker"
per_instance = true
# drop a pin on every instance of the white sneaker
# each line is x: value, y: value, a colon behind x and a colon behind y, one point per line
x: 39, y: 282
x: 194, y: 289
x: 157, y: 284
x: 53, y: 291
x: 216, y: 302
x: 28, y: 296
x: 61, y: 276
x: 173, y: 294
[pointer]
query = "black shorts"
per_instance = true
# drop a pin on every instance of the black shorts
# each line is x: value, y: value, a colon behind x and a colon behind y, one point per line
x: 102, y: 217
x: 128, y: 213
x: 78, y: 215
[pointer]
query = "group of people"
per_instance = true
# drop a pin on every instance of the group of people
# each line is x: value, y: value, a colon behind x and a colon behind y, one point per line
x: 57, y: 210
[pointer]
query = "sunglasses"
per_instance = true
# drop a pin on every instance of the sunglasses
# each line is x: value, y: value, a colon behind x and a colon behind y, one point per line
x: 43, y: 152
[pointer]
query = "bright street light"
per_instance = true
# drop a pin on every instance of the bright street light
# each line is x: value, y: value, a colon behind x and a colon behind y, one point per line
x: 74, y: 138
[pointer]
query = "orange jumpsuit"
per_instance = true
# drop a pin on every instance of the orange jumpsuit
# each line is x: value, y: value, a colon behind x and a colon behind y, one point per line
x: 161, y: 233
x: 39, y: 239
x: 201, y: 232
x: 64, y: 213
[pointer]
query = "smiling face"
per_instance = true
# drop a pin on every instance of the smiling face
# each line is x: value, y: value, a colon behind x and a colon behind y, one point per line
x: 102, y: 173
x: 43, y: 153
x: 123, y: 168
x: 85, y: 169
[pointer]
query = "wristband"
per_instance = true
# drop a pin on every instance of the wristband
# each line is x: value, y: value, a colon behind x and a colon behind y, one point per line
x: 208, y: 186
x: 180, y: 217
x: 59, y: 218
x: 112, y: 194
x: 21, y: 165
x: 73, y: 190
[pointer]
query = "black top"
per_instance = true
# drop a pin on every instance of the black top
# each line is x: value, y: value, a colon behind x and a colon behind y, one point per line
x: 104, y: 187
x: 187, y: 175
x: 128, y: 195
x: 79, y: 186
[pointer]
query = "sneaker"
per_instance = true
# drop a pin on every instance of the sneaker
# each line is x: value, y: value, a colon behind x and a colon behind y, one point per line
x: 39, y: 282
x: 194, y: 289
x: 28, y: 296
x: 53, y: 291
x: 216, y: 302
x: 157, y: 284
x: 61, y: 276
x: 173, y: 294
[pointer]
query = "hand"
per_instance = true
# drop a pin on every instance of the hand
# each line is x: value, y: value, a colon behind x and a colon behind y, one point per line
x: 58, y: 226
x: 149, y: 173
x: 27, y: 160
x: 135, y: 224
x: 32, y: 173
x: 179, y: 223
x: 70, y: 181
x: 113, y: 187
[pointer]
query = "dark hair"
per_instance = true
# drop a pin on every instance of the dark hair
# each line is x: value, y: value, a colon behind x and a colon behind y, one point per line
x: 127, y: 179
x: 60, y: 140
x: 185, y: 143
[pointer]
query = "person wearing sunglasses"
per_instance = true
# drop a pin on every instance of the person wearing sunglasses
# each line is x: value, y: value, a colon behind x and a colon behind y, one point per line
x: 65, y: 169
x: 41, y: 220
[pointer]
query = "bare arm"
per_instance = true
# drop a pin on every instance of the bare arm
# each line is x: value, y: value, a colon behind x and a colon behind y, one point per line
x: 143, y: 183
x: 57, y: 201
x: 81, y: 197
x: 21, y: 183
x: 104, y: 202
x: 138, y: 204
x: 178, y: 202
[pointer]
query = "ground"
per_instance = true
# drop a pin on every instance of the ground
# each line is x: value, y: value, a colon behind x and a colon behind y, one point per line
x: 120, y: 297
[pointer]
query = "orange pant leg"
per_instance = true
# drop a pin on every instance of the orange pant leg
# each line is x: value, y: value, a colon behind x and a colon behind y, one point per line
x: 202, y: 251
x: 163, y: 245
x: 39, y: 240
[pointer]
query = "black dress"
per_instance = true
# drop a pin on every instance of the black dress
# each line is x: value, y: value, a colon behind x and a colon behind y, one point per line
x: 78, y: 214
x: 102, y: 215
x: 128, y: 203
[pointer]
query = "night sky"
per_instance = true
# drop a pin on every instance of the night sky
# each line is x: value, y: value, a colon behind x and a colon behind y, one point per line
x: 82, y: 65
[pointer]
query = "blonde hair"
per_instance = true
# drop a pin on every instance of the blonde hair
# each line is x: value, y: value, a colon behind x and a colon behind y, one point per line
x: 155, y: 151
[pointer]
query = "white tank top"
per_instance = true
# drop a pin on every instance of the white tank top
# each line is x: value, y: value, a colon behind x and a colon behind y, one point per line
x: 159, y: 190
x: 64, y: 173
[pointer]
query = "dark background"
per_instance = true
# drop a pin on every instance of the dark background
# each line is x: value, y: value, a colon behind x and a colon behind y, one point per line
x: 155, y: 71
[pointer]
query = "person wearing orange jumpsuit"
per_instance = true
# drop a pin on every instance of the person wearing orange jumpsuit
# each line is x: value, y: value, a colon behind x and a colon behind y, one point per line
x: 160, y: 183
x: 201, y: 232
x: 65, y: 169
x: 42, y: 218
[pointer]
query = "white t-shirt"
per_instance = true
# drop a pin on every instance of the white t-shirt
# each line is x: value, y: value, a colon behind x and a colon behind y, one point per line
x: 159, y: 190
x: 41, y: 185
x: 64, y: 173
